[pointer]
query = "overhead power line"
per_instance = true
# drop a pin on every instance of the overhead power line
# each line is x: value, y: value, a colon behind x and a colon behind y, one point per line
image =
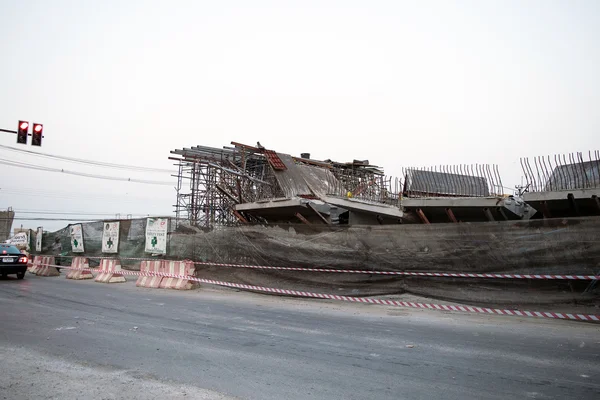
x: 83, y: 213
x: 64, y: 171
x: 51, y: 219
x: 48, y: 197
x: 88, y: 162
x: 69, y: 195
x: 73, y: 219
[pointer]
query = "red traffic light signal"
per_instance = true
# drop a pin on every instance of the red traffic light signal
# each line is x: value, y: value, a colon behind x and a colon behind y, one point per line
x: 22, y: 132
x: 36, y: 138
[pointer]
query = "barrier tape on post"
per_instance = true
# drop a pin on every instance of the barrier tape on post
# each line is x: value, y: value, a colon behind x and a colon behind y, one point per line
x: 398, y: 273
x: 397, y: 303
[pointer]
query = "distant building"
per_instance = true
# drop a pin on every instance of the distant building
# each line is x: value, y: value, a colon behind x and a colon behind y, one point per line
x: 6, y: 220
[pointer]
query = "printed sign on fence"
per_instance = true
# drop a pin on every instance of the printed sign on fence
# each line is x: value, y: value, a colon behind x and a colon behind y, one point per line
x: 38, y: 239
x: 156, y: 235
x: 110, y: 237
x: 77, y: 238
x: 21, y: 240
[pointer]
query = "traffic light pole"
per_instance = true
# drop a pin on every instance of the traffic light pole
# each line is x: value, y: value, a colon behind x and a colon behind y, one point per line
x: 15, y: 132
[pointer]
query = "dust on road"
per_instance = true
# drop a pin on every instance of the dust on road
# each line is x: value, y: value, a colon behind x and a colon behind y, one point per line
x: 26, y: 374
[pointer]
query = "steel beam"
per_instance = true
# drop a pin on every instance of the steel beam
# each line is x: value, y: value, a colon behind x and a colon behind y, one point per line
x: 301, y: 218
x: 488, y: 214
x: 422, y: 216
x: 596, y: 201
x: 450, y: 215
x: 318, y: 214
x: 573, y: 204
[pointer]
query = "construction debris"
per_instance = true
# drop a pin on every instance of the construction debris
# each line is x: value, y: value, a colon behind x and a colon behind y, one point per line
x: 242, y: 184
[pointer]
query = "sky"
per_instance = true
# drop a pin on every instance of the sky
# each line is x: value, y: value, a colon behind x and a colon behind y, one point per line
x: 400, y: 83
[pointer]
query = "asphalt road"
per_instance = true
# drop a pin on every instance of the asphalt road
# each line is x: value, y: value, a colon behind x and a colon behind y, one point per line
x: 81, y: 339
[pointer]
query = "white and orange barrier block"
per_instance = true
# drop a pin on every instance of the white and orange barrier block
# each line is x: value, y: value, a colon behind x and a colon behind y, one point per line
x: 182, y: 270
x: 35, y: 265
x: 110, y: 271
x: 45, y: 266
x: 83, y: 272
x: 146, y: 278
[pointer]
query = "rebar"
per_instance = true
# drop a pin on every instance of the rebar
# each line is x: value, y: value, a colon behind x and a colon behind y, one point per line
x: 463, y: 180
x: 562, y: 172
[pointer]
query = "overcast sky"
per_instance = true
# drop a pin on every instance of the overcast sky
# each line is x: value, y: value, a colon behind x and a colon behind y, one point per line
x: 400, y: 83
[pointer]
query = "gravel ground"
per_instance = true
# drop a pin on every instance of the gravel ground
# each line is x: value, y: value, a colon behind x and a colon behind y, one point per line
x: 25, y: 374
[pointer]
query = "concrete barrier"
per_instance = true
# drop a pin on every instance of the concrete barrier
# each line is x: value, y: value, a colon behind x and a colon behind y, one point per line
x: 150, y: 281
x: 109, y: 271
x: 180, y: 268
x: 79, y: 262
x: 35, y: 265
x: 45, y: 268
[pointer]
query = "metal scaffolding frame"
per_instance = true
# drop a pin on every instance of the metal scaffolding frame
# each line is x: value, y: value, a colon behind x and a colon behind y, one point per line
x: 211, y: 181
x: 366, y: 182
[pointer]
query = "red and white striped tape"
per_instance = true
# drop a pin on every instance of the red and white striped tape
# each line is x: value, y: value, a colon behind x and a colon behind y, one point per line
x: 428, y: 274
x: 443, y: 307
x: 398, y: 273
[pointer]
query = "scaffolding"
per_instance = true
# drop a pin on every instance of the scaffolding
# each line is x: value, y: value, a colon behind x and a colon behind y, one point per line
x: 361, y: 180
x: 212, y: 181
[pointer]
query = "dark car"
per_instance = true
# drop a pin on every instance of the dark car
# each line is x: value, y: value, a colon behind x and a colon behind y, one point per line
x: 12, y: 261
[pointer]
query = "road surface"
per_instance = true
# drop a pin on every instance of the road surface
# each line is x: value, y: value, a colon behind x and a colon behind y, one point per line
x: 80, y: 339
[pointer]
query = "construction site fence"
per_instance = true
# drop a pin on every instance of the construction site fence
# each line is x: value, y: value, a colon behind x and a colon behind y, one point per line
x: 566, y: 246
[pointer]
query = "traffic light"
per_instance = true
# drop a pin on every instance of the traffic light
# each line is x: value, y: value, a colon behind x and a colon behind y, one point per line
x: 36, y: 138
x: 22, y: 132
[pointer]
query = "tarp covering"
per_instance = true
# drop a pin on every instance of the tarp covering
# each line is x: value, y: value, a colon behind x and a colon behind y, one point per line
x: 291, y: 179
x: 559, y: 246
x: 319, y: 180
x: 299, y: 180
